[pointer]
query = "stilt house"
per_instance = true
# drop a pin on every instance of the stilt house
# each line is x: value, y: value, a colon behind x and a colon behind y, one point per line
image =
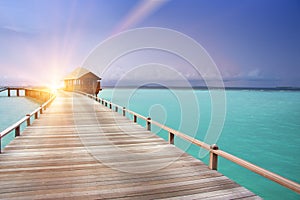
x: 83, y: 80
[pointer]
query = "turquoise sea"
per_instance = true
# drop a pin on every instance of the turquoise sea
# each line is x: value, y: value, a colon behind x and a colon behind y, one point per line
x: 262, y: 127
x: 12, y: 109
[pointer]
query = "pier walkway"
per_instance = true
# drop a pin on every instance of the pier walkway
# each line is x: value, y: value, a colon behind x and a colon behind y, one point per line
x: 79, y: 149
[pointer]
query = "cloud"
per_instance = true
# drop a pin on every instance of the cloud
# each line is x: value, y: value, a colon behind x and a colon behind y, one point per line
x: 13, y: 30
x: 256, y: 73
x: 144, y: 74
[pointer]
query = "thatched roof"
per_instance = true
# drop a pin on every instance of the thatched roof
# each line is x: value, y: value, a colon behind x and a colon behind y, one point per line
x: 77, y: 73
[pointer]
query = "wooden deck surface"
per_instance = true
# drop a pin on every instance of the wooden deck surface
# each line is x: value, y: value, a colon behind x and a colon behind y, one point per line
x: 79, y: 149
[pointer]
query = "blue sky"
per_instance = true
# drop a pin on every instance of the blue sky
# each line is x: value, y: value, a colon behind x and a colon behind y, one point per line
x: 253, y: 42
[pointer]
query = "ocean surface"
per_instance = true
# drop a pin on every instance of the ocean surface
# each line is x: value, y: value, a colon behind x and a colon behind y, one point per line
x: 12, y: 109
x: 262, y: 127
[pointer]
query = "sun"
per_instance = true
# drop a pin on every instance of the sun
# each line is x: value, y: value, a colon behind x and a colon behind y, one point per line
x: 55, y: 86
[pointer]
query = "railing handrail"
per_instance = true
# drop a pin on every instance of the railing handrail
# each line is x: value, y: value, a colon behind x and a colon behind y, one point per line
x: 213, y: 151
x: 28, y: 116
x: 12, y: 127
x: 259, y: 170
x: 3, y: 89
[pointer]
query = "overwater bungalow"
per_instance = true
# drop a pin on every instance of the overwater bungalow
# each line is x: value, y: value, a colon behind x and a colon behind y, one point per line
x: 81, y: 79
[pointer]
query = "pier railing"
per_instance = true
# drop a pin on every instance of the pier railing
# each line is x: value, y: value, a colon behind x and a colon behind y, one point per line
x: 213, y: 149
x: 38, y: 111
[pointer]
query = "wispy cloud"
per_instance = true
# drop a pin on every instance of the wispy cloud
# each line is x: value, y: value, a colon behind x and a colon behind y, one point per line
x: 16, y: 30
x: 256, y: 73
x: 13, y: 29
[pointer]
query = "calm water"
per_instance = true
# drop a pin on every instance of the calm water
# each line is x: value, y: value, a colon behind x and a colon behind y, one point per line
x: 262, y: 127
x: 13, y: 109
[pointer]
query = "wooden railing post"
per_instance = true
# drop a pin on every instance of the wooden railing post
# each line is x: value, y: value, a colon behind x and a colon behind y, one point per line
x: 17, y: 131
x: 28, y: 120
x: 148, y: 124
x: 8, y: 92
x: 124, y: 111
x: 41, y: 110
x: 171, y: 138
x: 116, y: 108
x: 105, y: 104
x: 36, y: 115
x: 134, y: 118
x: 110, y: 106
x: 213, y: 158
x: 18, y: 92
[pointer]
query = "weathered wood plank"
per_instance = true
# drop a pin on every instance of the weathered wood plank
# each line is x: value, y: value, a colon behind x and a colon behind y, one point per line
x: 75, y: 151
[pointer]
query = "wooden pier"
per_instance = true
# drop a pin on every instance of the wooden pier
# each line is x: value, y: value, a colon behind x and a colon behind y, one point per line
x: 42, y: 95
x: 80, y: 149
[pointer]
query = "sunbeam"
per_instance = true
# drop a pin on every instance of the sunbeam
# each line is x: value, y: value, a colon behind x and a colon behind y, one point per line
x: 140, y: 12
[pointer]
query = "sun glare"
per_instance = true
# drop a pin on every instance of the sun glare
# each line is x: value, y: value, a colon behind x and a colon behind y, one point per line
x: 56, y: 86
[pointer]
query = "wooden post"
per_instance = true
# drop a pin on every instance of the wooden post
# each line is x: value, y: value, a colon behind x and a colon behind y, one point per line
x: 124, y: 111
x: 36, y: 115
x: 17, y: 131
x: 8, y: 92
x: 171, y: 138
x: 28, y: 120
x: 110, y: 106
x: 41, y: 110
x: 116, y: 108
x: 134, y: 118
x: 213, y: 158
x: 105, y: 104
x: 148, y: 124
x: 18, y: 92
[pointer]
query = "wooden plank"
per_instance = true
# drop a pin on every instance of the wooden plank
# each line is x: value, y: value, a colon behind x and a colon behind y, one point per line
x: 79, y: 149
